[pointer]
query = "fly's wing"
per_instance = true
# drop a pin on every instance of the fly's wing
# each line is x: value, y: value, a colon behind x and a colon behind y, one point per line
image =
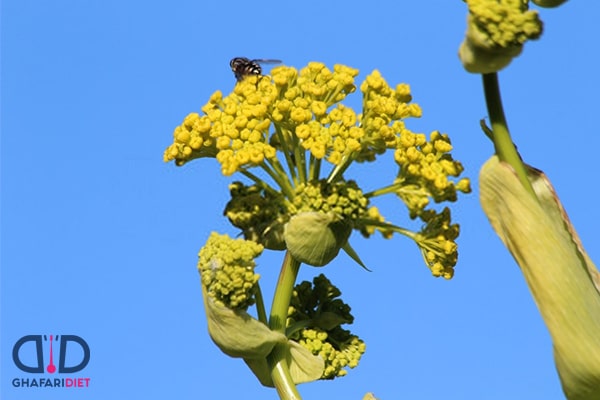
x: 267, y: 61
x: 242, y: 66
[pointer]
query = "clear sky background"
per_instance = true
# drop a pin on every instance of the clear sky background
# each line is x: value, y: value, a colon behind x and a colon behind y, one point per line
x: 100, y: 237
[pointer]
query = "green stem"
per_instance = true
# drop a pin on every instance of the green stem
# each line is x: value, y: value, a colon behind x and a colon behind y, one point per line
x: 279, y: 177
x: 283, y: 293
x: 315, y: 168
x: 298, y: 326
x: 337, y: 172
x: 259, y: 182
x: 287, y: 151
x: 300, y: 157
x: 280, y: 372
x: 503, y: 144
x: 393, y: 188
x: 260, y: 305
x: 385, y: 226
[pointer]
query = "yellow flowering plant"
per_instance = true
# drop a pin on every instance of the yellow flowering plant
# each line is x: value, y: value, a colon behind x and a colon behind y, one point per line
x: 294, y: 141
x: 525, y: 211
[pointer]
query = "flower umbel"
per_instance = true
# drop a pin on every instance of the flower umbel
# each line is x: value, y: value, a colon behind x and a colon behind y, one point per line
x: 314, y: 320
x: 384, y: 110
x: 437, y: 242
x: 505, y: 22
x: 288, y: 125
x: 496, y: 33
x: 192, y: 140
x: 226, y: 267
x: 260, y: 214
x: 290, y: 135
x: 425, y: 168
x: 343, y: 198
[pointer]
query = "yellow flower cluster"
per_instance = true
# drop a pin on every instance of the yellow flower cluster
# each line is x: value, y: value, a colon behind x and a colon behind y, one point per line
x: 505, y: 22
x: 192, y: 140
x: 424, y: 170
x: 383, y: 111
x: 318, y: 309
x: 348, y: 353
x: 226, y: 268
x: 334, y: 135
x: 367, y: 228
x: 496, y: 33
x: 344, y: 198
x: 305, y: 111
x: 259, y: 213
x: 236, y: 127
x: 437, y: 241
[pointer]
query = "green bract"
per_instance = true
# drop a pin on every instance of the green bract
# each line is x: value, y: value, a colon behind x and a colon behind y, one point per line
x: 562, y: 278
x: 237, y: 334
x: 304, y: 366
x: 548, y: 3
x: 316, y: 238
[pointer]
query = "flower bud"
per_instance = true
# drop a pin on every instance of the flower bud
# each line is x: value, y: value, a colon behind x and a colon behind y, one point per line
x: 548, y: 3
x: 316, y: 238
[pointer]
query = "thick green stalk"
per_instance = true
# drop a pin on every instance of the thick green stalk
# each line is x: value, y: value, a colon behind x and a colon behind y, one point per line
x: 503, y: 144
x: 280, y: 372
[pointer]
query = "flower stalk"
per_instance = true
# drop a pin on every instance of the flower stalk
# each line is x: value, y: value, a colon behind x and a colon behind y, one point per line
x: 503, y: 144
x: 524, y: 210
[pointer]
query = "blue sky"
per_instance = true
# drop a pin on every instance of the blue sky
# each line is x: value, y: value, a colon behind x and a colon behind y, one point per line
x: 100, y: 237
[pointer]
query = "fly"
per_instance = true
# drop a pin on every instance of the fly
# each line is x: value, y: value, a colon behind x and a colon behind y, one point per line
x: 242, y: 66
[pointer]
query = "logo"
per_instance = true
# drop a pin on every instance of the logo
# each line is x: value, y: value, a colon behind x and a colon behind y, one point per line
x: 29, y: 356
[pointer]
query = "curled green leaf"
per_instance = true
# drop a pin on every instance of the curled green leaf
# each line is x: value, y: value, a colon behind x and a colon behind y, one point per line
x: 237, y: 333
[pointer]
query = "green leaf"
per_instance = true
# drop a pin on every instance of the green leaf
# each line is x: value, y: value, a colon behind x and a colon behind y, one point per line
x: 328, y: 320
x: 561, y: 277
x: 316, y: 238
